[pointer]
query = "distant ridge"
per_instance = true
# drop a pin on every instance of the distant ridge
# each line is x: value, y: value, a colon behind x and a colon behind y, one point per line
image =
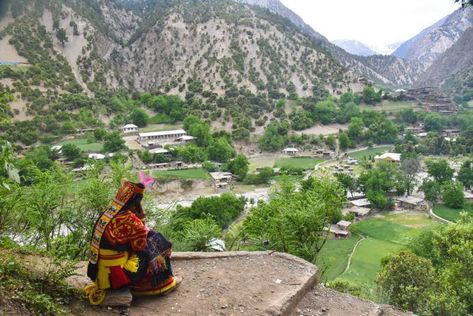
x: 355, y: 47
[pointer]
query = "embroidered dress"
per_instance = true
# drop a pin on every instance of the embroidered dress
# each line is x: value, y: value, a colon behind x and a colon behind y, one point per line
x: 128, y: 255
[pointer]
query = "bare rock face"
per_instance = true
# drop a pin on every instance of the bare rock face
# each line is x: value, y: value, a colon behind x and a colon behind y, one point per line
x: 428, y: 45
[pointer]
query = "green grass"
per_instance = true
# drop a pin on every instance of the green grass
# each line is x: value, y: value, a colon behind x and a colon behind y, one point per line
x: 385, y: 235
x: 470, y: 103
x: 366, y: 261
x: 261, y: 162
x: 384, y: 230
x: 189, y: 174
x: 300, y: 163
x: 290, y: 179
x: 370, y: 152
x: 333, y: 257
x: 84, y: 145
x: 390, y: 106
x: 451, y: 214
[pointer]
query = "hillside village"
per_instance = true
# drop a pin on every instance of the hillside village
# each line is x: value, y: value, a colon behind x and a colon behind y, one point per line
x: 347, y: 179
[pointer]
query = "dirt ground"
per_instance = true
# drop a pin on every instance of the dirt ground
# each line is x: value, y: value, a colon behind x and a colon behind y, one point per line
x: 227, y: 286
x: 327, y: 302
x: 324, y: 129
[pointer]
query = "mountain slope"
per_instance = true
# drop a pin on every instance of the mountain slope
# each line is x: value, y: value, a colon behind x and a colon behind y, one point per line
x: 429, y: 44
x: 453, y: 67
x: 383, y: 70
x: 355, y: 47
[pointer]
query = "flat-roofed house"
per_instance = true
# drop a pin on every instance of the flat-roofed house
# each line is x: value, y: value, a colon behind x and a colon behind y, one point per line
x: 361, y: 203
x: 163, y: 136
x: 291, y: 151
x: 184, y: 139
x: 360, y: 212
x: 340, y: 229
x: 389, y: 157
x: 130, y: 129
x: 222, y: 179
x: 409, y: 202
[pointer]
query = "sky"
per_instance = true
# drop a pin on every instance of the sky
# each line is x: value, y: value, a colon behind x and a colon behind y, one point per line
x: 373, y: 22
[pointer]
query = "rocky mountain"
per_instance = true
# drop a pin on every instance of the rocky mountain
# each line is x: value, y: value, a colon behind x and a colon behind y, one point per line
x: 432, y: 42
x: 277, y: 7
x: 355, y: 47
x: 179, y: 46
x: 454, y: 67
x: 383, y: 70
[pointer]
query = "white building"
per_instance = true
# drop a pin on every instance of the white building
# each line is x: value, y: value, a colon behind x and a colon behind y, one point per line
x: 291, y: 151
x: 164, y: 136
x: 130, y: 129
x: 389, y: 157
x: 185, y: 139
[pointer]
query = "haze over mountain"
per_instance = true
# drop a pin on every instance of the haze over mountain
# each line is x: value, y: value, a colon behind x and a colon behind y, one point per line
x: 355, y: 47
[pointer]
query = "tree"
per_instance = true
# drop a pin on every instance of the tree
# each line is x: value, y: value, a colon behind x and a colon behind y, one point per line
x: 295, y: 221
x: 439, y: 170
x: 431, y: 190
x: 433, y: 122
x: 405, y: 280
x: 408, y: 116
x: 198, y: 233
x: 355, y: 128
x: 377, y: 182
x: 465, y: 174
x: 113, y: 142
x: 223, y: 209
x: 271, y: 139
x: 410, y: 167
x: 71, y: 151
x: 325, y: 112
x: 344, y: 141
x: 139, y: 117
x: 370, y: 96
x: 264, y: 176
x: 239, y: 166
x: 436, y: 280
x: 348, y: 182
x: 301, y: 120
x: 331, y: 142
x: 200, y: 130
x: 191, y: 153
x: 100, y: 133
x: 62, y: 36
x: 452, y: 195
x: 220, y: 150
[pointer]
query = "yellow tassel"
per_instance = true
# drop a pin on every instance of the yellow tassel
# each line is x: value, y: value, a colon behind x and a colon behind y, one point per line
x: 132, y: 264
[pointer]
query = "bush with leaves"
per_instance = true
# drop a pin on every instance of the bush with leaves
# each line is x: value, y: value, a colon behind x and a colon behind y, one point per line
x: 295, y: 221
x: 452, y: 195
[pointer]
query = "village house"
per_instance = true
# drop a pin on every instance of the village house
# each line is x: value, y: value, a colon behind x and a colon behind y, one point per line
x: 291, y: 151
x: 130, y: 129
x: 409, y: 202
x: 222, y: 180
x: 361, y: 203
x: 388, y: 157
x: 355, y: 195
x: 185, y: 139
x: 163, y: 136
x: 340, y: 230
x: 360, y: 212
x: 451, y: 132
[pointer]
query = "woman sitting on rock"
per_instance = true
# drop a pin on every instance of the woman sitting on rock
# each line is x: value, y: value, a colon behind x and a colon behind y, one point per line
x: 124, y: 253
